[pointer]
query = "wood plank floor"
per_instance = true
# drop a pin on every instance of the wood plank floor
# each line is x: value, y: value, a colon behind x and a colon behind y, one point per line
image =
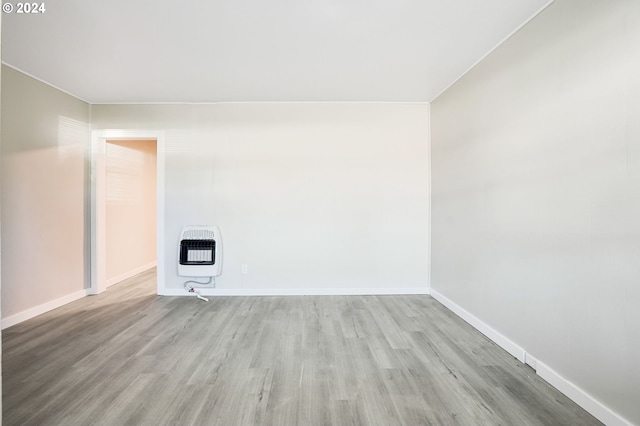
x: 129, y: 357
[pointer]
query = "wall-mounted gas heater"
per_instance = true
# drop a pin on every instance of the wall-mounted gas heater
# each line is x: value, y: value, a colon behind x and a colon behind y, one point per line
x: 200, y: 252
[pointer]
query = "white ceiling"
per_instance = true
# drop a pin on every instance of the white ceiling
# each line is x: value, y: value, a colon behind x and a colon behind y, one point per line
x: 118, y: 51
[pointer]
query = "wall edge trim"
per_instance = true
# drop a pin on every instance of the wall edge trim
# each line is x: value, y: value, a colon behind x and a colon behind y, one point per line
x: 43, y: 308
x: 570, y: 390
x: 493, y: 49
x: 497, y: 337
x: 132, y: 273
x: 299, y: 292
x: 45, y: 82
x: 580, y: 397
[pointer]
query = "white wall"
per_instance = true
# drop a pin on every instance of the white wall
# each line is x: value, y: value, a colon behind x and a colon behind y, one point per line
x: 0, y: 243
x: 130, y: 208
x: 45, y: 135
x: 312, y: 197
x: 536, y: 196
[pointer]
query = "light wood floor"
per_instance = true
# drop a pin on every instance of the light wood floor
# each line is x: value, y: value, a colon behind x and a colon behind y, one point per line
x: 129, y: 357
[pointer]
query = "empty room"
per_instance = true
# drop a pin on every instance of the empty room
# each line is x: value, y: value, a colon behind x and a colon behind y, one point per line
x: 305, y: 213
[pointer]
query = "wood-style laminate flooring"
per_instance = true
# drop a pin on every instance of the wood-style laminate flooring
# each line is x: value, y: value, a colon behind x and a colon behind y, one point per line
x: 129, y: 357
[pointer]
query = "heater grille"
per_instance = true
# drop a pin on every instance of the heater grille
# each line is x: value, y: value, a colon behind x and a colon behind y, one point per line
x: 197, y: 252
x: 200, y: 249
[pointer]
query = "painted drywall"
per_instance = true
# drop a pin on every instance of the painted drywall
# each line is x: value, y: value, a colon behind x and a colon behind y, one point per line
x: 0, y: 235
x: 130, y: 208
x: 311, y: 197
x: 536, y: 195
x: 45, y: 138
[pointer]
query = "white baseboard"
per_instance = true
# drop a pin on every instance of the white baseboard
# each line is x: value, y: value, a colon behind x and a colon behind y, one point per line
x: 295, y: 291
x: 482, y: 327
x: 531, y: 361
x: 131, y: 273
x: 573, y: 392
x: 41, y: 309
x: 580, y: 397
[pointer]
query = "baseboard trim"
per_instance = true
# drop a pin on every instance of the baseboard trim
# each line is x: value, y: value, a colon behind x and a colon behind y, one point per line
x: 502, y: 341
x: 580, y: 397
x: 41, y: 309
x: 573, y: 392
x: 531, y: 361
x: 131, y: 273
x: 297, y: 291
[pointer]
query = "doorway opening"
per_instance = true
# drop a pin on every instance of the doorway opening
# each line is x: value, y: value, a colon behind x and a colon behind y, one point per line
x: 127, y: 206
x: 130, y: 166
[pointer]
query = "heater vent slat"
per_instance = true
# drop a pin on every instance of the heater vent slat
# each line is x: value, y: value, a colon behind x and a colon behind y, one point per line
x: 198, y: 234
